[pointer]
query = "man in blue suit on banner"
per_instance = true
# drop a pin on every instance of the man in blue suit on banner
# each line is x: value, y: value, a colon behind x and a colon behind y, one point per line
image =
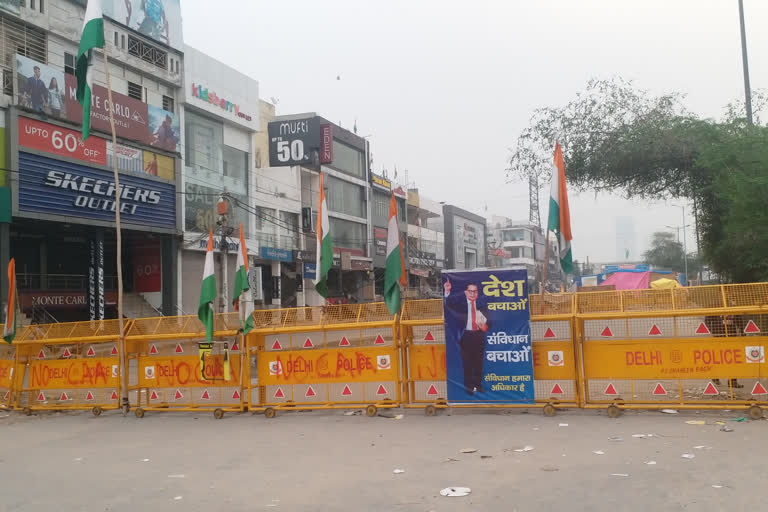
x: 470, y: 319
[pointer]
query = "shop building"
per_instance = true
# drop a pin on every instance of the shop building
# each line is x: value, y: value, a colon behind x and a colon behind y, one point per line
x: 381, y: 192
x: 276, y: 193
x: 465, y: 238
x: 343, y: 158
x: 220, y: 116
x: 426, y: 245
x: 60, y: 189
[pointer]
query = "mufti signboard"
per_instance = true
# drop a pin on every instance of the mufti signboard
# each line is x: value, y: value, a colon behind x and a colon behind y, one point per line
x: 295, y: 142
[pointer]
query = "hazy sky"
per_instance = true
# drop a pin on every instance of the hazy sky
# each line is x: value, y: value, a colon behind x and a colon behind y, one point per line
x: 444, y: 88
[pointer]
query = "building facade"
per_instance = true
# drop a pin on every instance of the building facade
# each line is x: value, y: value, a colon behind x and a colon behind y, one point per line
x: 220, y: 117
x: 465, y: 238
x: 426, y: 245
x: 60, y: 189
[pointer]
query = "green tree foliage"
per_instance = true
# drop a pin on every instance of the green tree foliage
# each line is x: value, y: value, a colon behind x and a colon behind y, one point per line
x: 625, y: 140
x: 665, y: 253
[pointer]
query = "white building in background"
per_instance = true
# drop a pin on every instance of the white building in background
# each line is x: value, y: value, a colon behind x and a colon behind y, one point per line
x: 625, y: 239
x: 220, y: 115
x: 426, y: 244
x: 512, y: 243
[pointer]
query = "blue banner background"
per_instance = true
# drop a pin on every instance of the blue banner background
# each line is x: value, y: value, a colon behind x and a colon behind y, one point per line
x: 472, y: 375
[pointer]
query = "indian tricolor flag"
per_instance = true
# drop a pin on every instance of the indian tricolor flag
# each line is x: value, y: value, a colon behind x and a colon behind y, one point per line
x: 393, y: 268
x: 9, y: 329
x: 207, y: 291
x: 242, y: 299
x: 92, y: 37
x: 324, y: 244
x: 559, y: 214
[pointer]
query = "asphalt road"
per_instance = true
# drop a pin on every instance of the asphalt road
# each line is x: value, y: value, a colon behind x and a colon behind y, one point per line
x: 326, y: 461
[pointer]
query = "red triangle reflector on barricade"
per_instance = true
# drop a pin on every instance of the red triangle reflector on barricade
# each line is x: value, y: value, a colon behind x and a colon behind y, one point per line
x: 205, y: 395
x: 556, y: 390
x: 308, y: 343
x: 344, y: 342
x: 90, y: 352
x: 89, y: 397
x: 429, y: 336
x: 702, y: 329
x: 276, y: 345
x: 432, y: 391
x: 153, y: 349
x: 379, y: 340
x: 606, y: 332
x: 346, y: 391
x: 759, y: 389
x: 659, y: 390
x: 711, y: 390
x: 236, y: 395
x: 382, y: 390
x: 655, y: 331
x: 610, y: 390
x: 279, y: 393
x: 549, y: 333
x: 310, y: 392
x: 178, y: 395
x: 153, y: 396
x: 114, y: 350
x: 751, y: 328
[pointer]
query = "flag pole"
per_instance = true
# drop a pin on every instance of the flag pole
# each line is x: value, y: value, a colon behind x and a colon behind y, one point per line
x: 119, y: 248
x: 546, y: 261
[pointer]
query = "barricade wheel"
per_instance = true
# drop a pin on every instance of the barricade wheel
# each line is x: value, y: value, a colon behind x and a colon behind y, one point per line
x: 755, y: 412
x: 430, y: 410
x: 613, y: 411
x: 96, y: 411
x: 371, y: 411
x: 27, y: 411
x: 269, y: 412
x: 549, y: 410
x: 139, y: 412
x: 218, y: 414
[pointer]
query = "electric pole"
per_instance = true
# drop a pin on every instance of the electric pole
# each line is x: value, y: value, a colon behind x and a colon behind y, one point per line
x: 745, y: 64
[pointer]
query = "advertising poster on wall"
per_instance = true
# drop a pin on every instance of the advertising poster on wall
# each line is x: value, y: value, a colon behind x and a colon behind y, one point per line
x: 157, y: 19
x: 130, y: 114
x: 159, y: 165
x: 488, y: 336
x: 40, y: 88
x: 164, y: 131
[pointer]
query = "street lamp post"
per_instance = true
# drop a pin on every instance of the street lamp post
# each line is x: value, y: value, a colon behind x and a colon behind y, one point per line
x: 745, y: 64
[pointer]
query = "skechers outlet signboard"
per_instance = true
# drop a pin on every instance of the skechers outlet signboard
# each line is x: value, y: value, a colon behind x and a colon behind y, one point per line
x: 69, y: 190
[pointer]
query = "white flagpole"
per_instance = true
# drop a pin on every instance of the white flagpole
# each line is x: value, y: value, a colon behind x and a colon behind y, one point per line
x: 119, y: 248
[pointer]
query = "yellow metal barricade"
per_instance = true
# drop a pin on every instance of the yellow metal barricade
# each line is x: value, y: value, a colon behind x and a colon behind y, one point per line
x: 700, y: 347
x: 555, y: 361
x: 339, y: 356
x: 10, y: 371
x: 67, y: 366
x: 171, y: 367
